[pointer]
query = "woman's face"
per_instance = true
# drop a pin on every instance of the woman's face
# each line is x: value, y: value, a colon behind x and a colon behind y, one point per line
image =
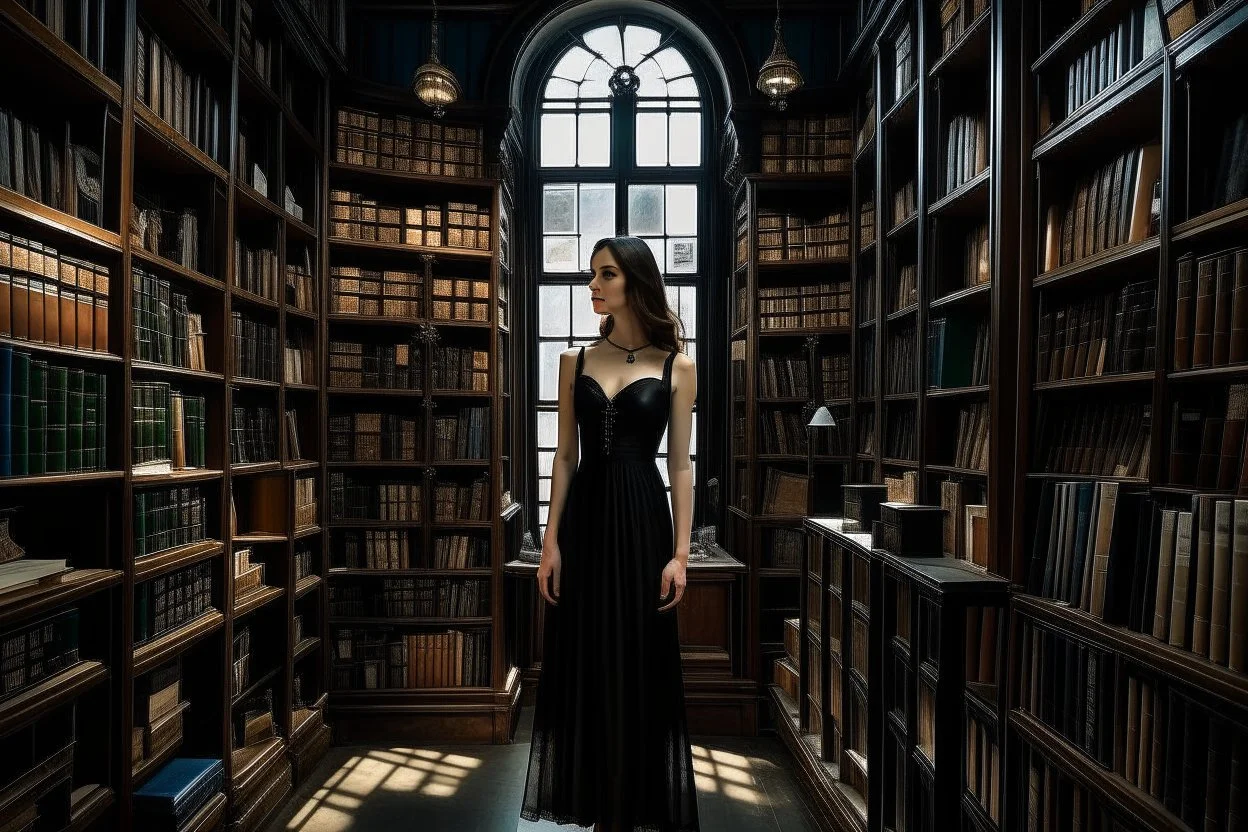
x: 606, y: 288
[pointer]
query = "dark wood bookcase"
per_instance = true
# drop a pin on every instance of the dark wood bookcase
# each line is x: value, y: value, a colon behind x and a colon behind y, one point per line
x: 460, y: 301
x: 267, y: 63
x: 770, y: 206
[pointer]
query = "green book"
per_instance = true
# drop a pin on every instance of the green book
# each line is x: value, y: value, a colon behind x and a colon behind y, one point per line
x: 58, y: 419
x: 73, y: 421
x: 90, y: 420
x: 19, y: 413
x: 101, y: 453
x: 38, y: 463
x: 161, y: 415
x: 140, y: 524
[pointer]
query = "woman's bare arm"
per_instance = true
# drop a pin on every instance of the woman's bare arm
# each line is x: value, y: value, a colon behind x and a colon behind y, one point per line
x: 679, y: 470
x: 568, y: 453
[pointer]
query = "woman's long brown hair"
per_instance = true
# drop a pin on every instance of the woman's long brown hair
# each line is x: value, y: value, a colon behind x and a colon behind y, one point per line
x: 645, y: 293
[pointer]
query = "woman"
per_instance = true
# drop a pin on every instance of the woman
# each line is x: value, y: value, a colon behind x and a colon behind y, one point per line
x: 610, y: 744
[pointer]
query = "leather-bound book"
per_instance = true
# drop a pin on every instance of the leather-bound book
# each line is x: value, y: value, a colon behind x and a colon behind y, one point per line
x: 1239, y: 308
x: 1233, y: 436
x: 1222, y: 300
x: 1202, y: 331
x: 1184, y: 310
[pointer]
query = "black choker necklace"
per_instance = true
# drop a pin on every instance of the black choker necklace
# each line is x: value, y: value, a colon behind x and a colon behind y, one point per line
x: 631, y: 358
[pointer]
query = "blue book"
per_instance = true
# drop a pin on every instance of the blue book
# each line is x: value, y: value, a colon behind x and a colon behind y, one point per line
x: 179, y: 789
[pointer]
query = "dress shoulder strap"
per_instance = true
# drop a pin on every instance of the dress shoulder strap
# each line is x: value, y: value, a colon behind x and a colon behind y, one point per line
x: 667, y: 369
x: 580, y: 360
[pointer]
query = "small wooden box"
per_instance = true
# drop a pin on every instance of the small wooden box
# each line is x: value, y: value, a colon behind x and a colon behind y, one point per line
x: 862, y: 505
x: 909, y: 530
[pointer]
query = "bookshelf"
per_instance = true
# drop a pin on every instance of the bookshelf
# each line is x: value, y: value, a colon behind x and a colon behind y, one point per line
x: 1165, y: 693
x: 418, y: 406
x: 139, y: 240
x: 791, y: 351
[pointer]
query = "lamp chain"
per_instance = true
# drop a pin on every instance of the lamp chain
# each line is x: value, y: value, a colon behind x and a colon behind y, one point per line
x: 434, y: 34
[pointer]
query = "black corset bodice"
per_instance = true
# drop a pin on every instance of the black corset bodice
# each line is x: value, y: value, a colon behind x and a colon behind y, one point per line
x: 628, y: 427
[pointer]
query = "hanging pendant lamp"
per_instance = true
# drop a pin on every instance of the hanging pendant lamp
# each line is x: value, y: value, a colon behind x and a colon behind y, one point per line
x: 433, y: 83
x: 779, y: 76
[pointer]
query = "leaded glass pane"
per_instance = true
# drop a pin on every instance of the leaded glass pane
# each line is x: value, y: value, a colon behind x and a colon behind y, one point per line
x: 547, y: 428
x: 573, y: 64
x: 597, y: 217
x: 559, y: 254
x: 638, y: 42
x: 594, y: 140
x: 595, y: 84
x: 645, y: 209
x: 558, y: 140
x: 682, y: 255
x: 606, y: 41
x: 553, y: 303
x: 672, y: 63
x: 559, y: 209
x: 548, y: 369
x: 686, y: 139
x: 560, y: 88
x: 682, y: 209
x: 651, y: 139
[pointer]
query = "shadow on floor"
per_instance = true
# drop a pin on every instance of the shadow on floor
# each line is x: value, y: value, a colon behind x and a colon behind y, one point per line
x: 744, y: 785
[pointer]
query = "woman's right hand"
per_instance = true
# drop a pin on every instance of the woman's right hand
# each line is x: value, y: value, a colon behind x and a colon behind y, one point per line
x: 549, y: 569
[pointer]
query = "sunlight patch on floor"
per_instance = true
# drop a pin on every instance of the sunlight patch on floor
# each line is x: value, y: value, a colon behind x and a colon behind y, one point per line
x: 716, y: 771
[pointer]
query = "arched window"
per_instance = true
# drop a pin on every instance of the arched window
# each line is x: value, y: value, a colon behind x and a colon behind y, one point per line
x: 621, y: 139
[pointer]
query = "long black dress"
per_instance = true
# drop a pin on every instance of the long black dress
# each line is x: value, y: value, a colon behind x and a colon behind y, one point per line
x: 610, y: 742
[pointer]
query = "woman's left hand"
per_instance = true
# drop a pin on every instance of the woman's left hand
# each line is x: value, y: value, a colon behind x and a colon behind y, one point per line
x: 673, y: 576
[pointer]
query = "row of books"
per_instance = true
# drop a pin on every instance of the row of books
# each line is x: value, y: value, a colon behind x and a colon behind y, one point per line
x: 393, y: 293
x: 400, y: 549
x: 956, y: 16
x: 44, y: 166
x: 403, y: 143
x: 254, y: 48
x: 1105, y: 334
x: 166, y: 331
x: 902, y: 441
x: 784, y: 492
x: 169, y: 601
x: 905, y: 289
x: 901, y: 360
x: 299, y: 364
x: 1055, y: 802
x: 783, y: 431
x: 457, y: 224
x: 905, y: 203
x: 252, y: 159
x: 374, y: 366
x: 957, y: 356
x: 37, y: 650
x: 459, y: 299
x: 460, y: 368
x: 819, y: 305
x: 866, y: 223
x: 253, y: 346
x: 784, y: 548
x: 255, y: 270
x: 462, y: 500
x: 1116, y: 203
x: 412, y: 598
x: 307, y: 506
x: 166, y: 518
x: 253, y: 434
x: 354, y: 497
x: 1207, y: 442
x: 301, y: 288
x: 971, y: 449
x: 965, y: 525
x: 50, y: 299
x: 784, y: 235
x: 1127, y: 42
x: 976, y: 257
x: 903, y: 60
x: 813, y: 144
x: 465, y: 435
x: 158, y: 706
x: 167, y: 428
x: 240, y: 653
x: 376, y: 659
x: 77, y: 22
x: 52, y: 419
x: 1110, y: 439
x: 167, y: 230
x: 966, y: 149
x: 182, y: 96
x: 372, y: 437
x: 1211, y: 310
x: 248, y: 576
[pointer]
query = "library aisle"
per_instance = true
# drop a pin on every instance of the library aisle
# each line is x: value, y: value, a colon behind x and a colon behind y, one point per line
x: 744, y: 785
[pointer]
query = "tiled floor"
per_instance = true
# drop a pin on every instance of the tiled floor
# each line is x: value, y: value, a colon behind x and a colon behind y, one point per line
x: 744, y: 785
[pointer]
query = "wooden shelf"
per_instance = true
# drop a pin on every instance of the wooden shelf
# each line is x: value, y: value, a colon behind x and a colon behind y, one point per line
x: 242, y: 469
x: 433, y: 620
x: 1117, y: 380
x: 170, y: 268
x: 170, y: 560
x: 956, y: 471
x: 299, y: 227
x: 177, y: 477
x: 1129, y: 799
x: 1058, y: 475
x: 23, y: 708
x: 158, y: 143
x: 345, y: 572
x: 907, y: 229
x: 437, y: 252
x: 1227, y: 220
x: 1213, y: 38
x: 61, y: 479
x: 251, y: 761
x: 381, y: 463
x: 1090, y: 25
x: 259, y: 537
x: 800, y: 181
x: 68, y: 353
x: 967, y: 295
x: 192, y: 25
x: 254, y: 300
x: 306, y: 584
x: 150, y: 765
x: 164, y: 647
x: 363, y: 173
x: 306, y: 647
x: 255, y: 204
x: 209, y: 816
x: 372, y: 391
x: 88, y: 804
x: 1194, y: 670
x: 1134, y: 101
x: 70, y: 588
x: 255, y: 599
x: 970, y: 199
x: 905, y: 110
x: 178, y: 372
x: 306, y: 531
x: 58, y: 224
x: 254, y: 384
x: 1130, y: 258
x: 806, y: 263
x: 958, y: 392
x: 970, y: 52
x: 901, y: 314
x: 255, y: 687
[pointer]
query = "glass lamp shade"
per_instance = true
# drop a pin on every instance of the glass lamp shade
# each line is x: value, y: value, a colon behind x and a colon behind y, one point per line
x: 822, y: 418
x: 779, y: 75
x: 436, y: 86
